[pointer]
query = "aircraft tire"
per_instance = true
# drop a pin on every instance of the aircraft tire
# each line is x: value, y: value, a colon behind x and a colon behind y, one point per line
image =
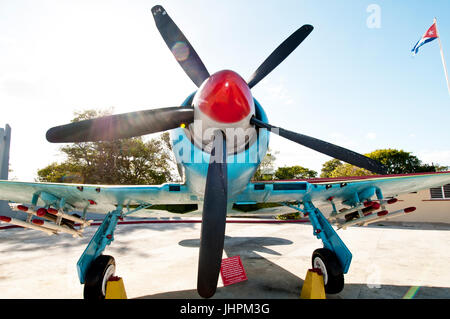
x: 327, y: 261
x: 101, y: 269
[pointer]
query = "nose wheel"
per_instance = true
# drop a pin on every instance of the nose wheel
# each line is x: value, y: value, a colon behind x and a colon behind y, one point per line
x: 101, y: 269
x: 333, y: 276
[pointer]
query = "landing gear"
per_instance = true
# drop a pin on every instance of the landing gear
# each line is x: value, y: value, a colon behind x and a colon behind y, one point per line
x: 335, y: 258
x: 328, y: 263
x: 100, y: 270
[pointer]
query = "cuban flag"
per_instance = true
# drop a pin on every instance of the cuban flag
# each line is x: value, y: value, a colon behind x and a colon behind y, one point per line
x: 429, y: 36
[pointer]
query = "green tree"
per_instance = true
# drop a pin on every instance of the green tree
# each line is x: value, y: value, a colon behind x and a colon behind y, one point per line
x: 329, y: 166
x: 399, y: 161
x: 60, y: 173
x: 395, y: 161
x: 349, y: 170
x: 266, y: 167
x: 124, y: 161
x: 294, y: 172
x: 440, y: 168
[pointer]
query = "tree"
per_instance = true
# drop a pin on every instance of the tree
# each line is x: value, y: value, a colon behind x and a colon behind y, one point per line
x: 349, y: 170
x: 60, y: 173
x: 294, y: 172
x: 400, y: 162
x: 440, y: 168
x: 123, y: 161
x: 395, y: 161
x: 265, y: 168
x: 329, y: 167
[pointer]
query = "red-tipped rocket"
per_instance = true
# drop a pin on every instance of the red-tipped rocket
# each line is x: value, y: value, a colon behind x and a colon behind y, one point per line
x: 38, y: 222
x: 42, y: 212
x: 368, y: 203
x: 382, y: 215
x: 5, y: 219
x: 75, y: 219
x: 42, y: 225
x: 24, y: 224
x: 409, y: 210
x: 387, y: 201
x: 22, y: 208
x: 366, y: 208
x: 52, y: 226
x: 363, y: 206
x: 52, y: 211
x: 392, y: 201
x: 370, y: 208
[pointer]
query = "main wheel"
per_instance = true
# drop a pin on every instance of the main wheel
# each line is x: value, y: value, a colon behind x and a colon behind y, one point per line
x: 333, y: 276
x: 101, y: 269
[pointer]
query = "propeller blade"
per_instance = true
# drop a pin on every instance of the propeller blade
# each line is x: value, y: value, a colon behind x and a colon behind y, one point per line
x: 326, y: 148
x: 119, y: 126
x: 280, y: 53
x: 181, y: 48
x: 213, y: 219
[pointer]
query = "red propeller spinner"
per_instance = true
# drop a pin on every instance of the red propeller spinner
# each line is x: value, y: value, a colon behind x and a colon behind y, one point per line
x: 225, y: 98
x: 223, y: 102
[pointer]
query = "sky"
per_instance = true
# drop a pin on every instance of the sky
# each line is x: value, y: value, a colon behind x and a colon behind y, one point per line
x: 353, y: 82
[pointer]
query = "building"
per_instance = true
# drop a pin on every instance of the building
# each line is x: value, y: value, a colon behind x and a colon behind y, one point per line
x: 433, y: 205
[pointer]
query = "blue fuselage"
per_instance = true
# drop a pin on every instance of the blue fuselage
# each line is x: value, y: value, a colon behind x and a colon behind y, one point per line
x: 240, y: 166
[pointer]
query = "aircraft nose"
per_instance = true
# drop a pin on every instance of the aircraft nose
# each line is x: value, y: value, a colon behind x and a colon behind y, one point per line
x: 224, y: 97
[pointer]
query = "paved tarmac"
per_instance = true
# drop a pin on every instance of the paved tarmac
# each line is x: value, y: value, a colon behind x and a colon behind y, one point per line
x: 160, y: 261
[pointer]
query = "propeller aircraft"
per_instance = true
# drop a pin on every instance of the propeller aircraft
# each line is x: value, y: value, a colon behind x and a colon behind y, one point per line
x: 219, y: 133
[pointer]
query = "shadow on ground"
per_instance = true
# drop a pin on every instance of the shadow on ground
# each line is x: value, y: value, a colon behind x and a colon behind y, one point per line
x: 19, y: 239
x: 267, y: 280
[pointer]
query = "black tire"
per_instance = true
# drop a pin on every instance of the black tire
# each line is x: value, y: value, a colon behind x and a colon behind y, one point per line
x: 328, y: 263
x: 95, y: 283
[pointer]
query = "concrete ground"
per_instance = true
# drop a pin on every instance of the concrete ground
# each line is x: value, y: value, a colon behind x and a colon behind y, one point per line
x: 160, y: 261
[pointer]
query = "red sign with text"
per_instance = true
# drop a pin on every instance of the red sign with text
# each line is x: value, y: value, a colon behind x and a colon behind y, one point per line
x: 232, y: 271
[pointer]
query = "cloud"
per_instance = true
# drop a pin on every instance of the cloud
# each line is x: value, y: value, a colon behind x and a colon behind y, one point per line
x: 342, y: 140
x: 436, y: 157
x: 371, y: 135
x: 19, y: 88
x: 288, y: 153
x: 278, y: 91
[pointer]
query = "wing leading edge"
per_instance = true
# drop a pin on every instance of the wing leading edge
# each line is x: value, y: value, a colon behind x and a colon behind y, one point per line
x: 99, y: 198
x: 343, y: 189
x: 103, y: 198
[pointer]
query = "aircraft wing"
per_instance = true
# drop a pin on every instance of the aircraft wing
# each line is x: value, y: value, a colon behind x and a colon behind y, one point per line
x: 343, y: 190
x: 99, y: 198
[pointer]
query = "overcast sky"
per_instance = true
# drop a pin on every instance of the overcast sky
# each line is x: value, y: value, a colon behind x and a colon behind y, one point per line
x: 352, y: 82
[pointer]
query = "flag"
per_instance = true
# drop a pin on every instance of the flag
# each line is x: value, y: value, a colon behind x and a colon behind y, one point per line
x: 429, y: 36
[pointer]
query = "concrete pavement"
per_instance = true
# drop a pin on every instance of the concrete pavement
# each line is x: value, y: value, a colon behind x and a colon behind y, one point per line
x: 160, y: 261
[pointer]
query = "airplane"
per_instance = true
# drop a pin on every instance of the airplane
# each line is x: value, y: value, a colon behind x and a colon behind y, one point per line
x: 220, y: 134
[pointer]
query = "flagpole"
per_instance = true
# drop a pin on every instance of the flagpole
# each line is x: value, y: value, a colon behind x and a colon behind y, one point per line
x: 442, y: 57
